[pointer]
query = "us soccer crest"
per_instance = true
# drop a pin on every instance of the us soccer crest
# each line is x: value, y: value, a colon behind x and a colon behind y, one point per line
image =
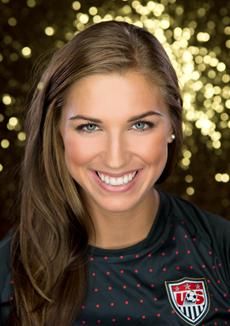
x: 189, y: 298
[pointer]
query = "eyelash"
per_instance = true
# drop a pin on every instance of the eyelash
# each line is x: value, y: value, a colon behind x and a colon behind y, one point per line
x: 80, y: 128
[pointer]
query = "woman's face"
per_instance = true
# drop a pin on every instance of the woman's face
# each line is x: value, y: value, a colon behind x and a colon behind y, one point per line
x: 102, y: 132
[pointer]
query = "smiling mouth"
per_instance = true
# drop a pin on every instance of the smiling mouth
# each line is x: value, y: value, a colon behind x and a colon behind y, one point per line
x: 120, y: 181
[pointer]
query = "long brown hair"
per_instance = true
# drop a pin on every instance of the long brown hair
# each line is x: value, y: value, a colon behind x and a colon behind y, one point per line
x: 49, y: 250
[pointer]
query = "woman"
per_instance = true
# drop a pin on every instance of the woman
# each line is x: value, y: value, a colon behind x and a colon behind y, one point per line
x: 97, y: 243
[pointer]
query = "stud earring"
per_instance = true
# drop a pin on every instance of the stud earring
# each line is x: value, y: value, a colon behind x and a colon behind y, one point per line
x: 172, y: 137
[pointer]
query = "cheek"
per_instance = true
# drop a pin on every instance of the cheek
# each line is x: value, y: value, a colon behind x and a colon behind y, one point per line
x: 77, y: 152
x: 154, y: 150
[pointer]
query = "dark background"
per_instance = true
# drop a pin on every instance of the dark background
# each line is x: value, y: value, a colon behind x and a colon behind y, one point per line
x: 196, y: 35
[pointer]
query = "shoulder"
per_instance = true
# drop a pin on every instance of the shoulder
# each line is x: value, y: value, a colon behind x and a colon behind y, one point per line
x: 5, y: 277
x: 5, y: 245
x: 5, y: 249
x: 200, y: 219
x: 210, y: 228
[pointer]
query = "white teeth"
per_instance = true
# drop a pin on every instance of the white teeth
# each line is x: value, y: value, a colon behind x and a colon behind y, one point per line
x: 113, y: 181
x: 117, y: 181
x: 101, y: 176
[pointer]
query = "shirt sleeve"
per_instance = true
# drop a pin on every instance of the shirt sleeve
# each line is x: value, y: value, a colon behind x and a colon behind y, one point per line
x: 211, y: 228
x: 220, y: 229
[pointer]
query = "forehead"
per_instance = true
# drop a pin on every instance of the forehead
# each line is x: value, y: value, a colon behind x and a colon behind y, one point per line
x: 114, y: 95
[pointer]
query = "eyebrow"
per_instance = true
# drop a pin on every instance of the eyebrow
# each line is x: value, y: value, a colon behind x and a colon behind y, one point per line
x: 137, y: 117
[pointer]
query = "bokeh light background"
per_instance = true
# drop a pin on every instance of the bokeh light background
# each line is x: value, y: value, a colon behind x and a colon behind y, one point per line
x: 195, y: 34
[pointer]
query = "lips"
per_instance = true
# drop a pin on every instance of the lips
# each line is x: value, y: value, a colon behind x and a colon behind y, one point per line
x: 111, y: 175
x: 117, y: 181
x: 118, y: 188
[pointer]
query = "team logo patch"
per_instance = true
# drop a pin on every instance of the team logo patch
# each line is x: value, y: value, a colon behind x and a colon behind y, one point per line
x: 189, y: 298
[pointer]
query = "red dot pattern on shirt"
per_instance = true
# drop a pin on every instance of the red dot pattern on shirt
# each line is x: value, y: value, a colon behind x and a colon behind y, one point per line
x: 112, y: 304
x: 122, y: 275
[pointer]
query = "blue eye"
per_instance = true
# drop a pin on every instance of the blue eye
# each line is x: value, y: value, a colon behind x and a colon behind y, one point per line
x: 88, y: 127
x: 143, y: 123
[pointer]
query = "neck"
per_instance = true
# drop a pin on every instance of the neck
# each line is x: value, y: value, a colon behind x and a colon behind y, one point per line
x: 124, y: 230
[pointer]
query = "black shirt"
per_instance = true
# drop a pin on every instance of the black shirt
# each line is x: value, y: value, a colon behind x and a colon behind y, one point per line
x: 178, y: 275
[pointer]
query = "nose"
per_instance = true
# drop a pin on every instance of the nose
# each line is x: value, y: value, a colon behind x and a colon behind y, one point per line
x: 116, y: 154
